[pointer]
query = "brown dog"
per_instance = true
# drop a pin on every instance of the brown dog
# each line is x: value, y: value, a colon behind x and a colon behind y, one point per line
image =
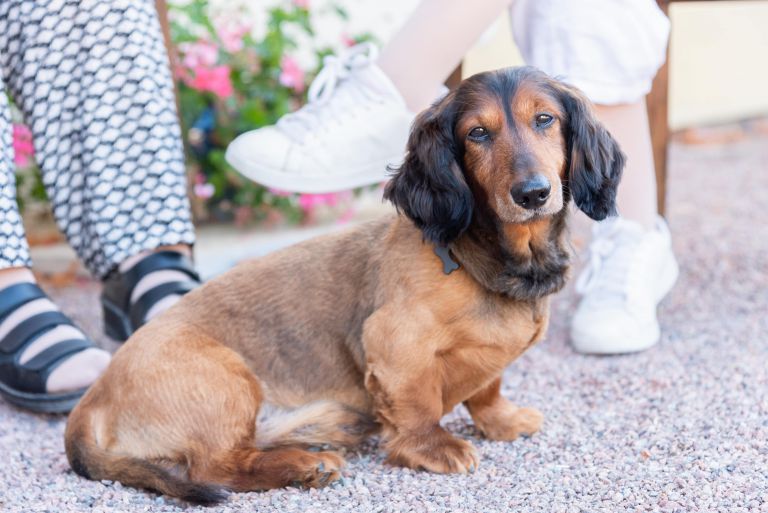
x: 330, y: 340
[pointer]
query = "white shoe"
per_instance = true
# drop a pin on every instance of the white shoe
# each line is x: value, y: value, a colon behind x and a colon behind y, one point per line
x: 629, y: 273
x: 354, y: 125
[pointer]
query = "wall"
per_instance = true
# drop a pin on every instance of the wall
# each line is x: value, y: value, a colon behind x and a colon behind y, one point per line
x: 719, y: 60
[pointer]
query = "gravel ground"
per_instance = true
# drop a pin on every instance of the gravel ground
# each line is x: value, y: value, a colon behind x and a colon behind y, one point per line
x: 679, y: 428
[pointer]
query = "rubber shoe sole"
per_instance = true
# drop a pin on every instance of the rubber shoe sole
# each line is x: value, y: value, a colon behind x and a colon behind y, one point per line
x: 312, y: 184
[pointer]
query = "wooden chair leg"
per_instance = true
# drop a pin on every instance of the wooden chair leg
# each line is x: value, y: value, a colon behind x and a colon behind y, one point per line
x: 162, y: 14
x: 657, y: 103
x: 454, y: 78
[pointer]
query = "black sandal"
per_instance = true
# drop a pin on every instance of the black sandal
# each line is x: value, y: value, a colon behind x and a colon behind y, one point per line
x: 121, y: 318
x: 24, y: 384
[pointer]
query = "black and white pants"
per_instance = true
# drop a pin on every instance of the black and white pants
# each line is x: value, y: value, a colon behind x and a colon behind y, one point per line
x: 92, y: 80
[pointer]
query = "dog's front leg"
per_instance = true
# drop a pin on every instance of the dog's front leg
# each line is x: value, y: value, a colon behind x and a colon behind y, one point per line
x: 404, y: 379
x: 499, y: 419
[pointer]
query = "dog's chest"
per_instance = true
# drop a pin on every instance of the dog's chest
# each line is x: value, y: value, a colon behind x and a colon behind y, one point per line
x: 482, y: 348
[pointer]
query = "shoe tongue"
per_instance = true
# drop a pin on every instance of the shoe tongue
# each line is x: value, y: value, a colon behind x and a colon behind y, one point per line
x: 615, y: 245
x: 618, y: 228
x: 374, y: 79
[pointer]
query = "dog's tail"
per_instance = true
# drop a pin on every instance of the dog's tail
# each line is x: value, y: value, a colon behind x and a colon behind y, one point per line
x: 90, y: 461
x: 313, y: 424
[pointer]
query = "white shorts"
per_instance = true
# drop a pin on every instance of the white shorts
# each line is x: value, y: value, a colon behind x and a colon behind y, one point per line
x: 610, y: 49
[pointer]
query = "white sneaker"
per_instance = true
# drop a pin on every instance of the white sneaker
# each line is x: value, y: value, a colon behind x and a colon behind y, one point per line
x: 354, y: 125
x: 630, y: 271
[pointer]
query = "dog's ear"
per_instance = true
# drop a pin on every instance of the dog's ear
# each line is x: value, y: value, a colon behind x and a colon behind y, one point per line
x: 595, y: 161
x: 429, y: 187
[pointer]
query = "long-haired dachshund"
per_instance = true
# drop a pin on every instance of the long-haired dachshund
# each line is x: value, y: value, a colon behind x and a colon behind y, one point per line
x: 382, y: 328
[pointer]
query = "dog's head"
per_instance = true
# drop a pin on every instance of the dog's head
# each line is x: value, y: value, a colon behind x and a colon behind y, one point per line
x: 514, y: 141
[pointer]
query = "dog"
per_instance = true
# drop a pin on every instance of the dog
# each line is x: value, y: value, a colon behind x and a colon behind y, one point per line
x: 382, y: 328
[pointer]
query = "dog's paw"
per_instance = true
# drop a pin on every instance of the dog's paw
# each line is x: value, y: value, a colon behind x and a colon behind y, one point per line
x: 437, y: 451
x: 509, y: 423
x: 320, y: 469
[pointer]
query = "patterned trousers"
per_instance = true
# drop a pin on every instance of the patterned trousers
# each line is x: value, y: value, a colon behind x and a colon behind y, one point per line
x: 91, y: 78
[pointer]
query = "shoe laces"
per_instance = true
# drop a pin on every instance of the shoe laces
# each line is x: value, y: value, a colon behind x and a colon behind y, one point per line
x: 615, y: 249
x: 331, y: 95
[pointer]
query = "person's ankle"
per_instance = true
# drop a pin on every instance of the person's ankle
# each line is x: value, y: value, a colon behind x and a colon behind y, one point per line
x: 13, y: 275
x: 156, y: 278
x: 129, y: 262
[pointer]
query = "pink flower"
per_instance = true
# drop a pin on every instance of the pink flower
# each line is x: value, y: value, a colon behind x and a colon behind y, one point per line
x: 22, y: 145
x: 309, y: 202
x: 204, y: 190
x: 291, y: 75
x: 346, y: 216
x: 280, y: 193
x: 215, y: 80
x: 199, y: 54
x: 301, y: 4
x: 348, y: 41
x: 231, y: 34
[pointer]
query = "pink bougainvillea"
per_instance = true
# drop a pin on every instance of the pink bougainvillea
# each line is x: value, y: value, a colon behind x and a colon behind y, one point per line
x: 23, y: 149
x: 291, y: 75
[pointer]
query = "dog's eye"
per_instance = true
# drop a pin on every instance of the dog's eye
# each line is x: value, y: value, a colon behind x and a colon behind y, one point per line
x: 478, y: 134
x: 544, y: 120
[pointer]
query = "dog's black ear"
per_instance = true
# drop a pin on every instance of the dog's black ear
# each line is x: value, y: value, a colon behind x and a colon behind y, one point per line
x: 595, y: 161
x: 429, y: 187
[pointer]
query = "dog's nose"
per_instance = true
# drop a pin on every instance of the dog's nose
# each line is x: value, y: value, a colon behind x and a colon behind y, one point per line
x: 532, y: 193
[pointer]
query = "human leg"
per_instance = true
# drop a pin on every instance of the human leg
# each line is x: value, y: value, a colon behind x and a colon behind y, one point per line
x: 432, y: 43
x: 611, y: 50
x: 349, y: 132
x: 100, y: 103
x: 45, y: 361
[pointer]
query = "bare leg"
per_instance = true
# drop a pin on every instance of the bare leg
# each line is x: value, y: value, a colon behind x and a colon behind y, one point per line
x: 628, y: 123
x: 432, y: 43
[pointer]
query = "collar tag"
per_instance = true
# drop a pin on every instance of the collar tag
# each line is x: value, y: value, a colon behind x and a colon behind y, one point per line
x: 449, y: 264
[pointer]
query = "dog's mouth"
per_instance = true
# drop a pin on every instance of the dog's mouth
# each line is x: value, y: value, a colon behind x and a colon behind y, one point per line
x: 537, y: 214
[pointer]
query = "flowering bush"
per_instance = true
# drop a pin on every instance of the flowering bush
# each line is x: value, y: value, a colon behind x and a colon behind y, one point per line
x: 239, y: 67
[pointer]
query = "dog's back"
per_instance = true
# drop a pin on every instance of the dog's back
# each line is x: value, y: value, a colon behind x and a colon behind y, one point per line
x: 296, y: 316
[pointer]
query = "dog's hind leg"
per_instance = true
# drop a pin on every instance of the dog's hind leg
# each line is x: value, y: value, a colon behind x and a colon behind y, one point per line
x: 187, y: 429
x: 318, y: 423
x: 249, y: 468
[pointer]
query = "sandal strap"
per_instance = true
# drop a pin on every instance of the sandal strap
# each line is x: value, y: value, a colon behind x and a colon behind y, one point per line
x: 58, y: 351
x: 159, y: 261
x: 30, y: 329
x: 146, y: 301
x: 16, y: 295
x: 32, y: 376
